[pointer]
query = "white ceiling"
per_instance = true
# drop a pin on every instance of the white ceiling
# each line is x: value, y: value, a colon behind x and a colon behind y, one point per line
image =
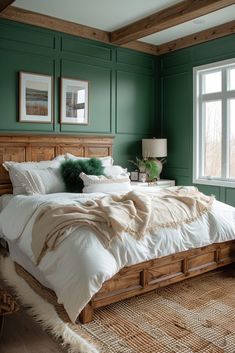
x: 204, y: 22
x: 110, y: 15
x: 107, y: 15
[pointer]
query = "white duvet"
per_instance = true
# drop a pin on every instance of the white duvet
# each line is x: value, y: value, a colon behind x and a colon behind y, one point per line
x: 77, y: 269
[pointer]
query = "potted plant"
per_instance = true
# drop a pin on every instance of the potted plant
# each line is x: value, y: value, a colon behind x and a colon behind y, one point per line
x: 148, y: 166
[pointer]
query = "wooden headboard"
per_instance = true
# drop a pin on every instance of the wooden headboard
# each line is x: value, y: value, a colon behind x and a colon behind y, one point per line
x: 25, y: 148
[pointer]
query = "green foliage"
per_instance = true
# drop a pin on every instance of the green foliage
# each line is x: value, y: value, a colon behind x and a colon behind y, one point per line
x: 71, y: 169
x: 148, y: 166
x: 151, y: 169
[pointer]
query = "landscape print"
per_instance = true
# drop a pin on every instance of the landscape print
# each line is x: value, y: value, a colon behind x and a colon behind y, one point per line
x: 36, y: 98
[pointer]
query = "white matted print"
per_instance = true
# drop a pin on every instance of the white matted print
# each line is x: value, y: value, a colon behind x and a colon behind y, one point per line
x: 35, y: 101
x: 74, y: 101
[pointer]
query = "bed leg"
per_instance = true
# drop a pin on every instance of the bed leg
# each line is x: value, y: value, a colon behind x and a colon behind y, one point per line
x: 86, y: 314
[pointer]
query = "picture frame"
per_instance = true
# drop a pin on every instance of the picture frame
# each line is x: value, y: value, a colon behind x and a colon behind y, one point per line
x: 35, y: 98
x: 142, y: 177
x: 74, y: 101
x: 134, y: 175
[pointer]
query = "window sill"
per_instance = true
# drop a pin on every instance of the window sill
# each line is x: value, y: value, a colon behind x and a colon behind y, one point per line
x: 213, y: 182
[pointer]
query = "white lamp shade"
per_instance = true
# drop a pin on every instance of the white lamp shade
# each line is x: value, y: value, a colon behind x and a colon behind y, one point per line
x: 154, y: 148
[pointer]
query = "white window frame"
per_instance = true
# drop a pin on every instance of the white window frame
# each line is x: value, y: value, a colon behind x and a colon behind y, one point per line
x: 198, y: 98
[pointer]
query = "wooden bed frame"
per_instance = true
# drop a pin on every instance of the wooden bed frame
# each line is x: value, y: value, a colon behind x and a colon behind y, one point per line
x: 129, y: 281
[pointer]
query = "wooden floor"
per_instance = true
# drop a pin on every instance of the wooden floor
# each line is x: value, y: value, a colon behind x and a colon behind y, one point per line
x: 21, y: 334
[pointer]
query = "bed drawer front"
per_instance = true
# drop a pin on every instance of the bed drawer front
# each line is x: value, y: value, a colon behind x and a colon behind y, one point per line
x: 202, y: 260
x: 170, y: 270
x: 153, y: 274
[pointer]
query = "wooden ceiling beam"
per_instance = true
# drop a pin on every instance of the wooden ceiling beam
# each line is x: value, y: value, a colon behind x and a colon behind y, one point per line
x: 197, y: 38
x: 20, y: 15
x: 4, y: 4
x: 143, y: 47
x: 28, y: 17
x: 179, y: 13
x: 33, y: 18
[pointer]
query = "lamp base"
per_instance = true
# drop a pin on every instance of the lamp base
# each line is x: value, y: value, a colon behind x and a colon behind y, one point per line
x: 159, y: 165
x: 156, y: 177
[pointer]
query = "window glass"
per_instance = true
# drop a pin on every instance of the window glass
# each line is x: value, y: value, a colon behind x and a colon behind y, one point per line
x: 213, y: 138
x: 212, y: 82
x: 231, y: 113
x: 231, y: 79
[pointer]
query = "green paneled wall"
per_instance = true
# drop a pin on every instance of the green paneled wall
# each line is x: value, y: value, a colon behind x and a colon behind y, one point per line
x: 128, y: 91
x: 176, y: 75
x: 122, y: 84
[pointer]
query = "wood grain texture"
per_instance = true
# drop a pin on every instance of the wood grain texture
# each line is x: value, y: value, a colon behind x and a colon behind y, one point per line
x: 4, y: 4
x: 129, y: 281
x: 141, y: 46
x: 25, y: 148
x: 150, y: 275
x: 197, y: 38
x: 29, y: 17
x: 179, y: 13
x: 144, y: 277
x: 36, y: 19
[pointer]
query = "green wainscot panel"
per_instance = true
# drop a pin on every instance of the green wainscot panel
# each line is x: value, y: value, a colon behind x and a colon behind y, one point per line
x: 177, y: 58
x: 126, y: 147
x: 99, y: 96
x: 215, y: 50
x: 209, y: 190
x: 135, y: 103
x: 181, y: 180
x: 26, y: 34
x: 130, y: 57
x: 79, y: 46
x: 230, y: 196
x: 176, y: 119
x: 11, y: 64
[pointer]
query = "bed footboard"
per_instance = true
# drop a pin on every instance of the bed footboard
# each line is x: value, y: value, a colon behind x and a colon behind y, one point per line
x: 150, y: 275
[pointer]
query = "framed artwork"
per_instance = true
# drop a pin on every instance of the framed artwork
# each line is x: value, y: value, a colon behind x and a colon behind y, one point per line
x: 35, y: 98
x: 142, y: 177
x: 74, y: 101
x: 134, y: 175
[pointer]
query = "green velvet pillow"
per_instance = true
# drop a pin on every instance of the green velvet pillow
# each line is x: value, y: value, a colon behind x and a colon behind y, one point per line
x: 71, y: 169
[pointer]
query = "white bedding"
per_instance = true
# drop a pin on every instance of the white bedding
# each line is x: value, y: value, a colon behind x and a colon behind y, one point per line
x: 77, y: 269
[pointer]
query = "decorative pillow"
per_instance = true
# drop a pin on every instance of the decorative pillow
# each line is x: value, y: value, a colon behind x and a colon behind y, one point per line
x: 114, y: 170
x: 14, y: 167
x: 71, y: 169
x: 93, y: 183
x: 106, y: 161
x: 40, y: 181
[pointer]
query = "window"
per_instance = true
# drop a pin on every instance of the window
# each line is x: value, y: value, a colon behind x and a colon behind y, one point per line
x: 214, y: 124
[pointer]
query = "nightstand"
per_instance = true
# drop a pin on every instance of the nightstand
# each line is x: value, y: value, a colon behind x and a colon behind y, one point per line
x: 161, y: 184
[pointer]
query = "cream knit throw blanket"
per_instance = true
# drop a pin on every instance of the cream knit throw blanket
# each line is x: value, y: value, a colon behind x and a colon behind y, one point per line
x: 134, y: 212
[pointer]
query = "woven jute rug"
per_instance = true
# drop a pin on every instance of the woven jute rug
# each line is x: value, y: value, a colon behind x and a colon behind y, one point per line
x: 197, y: 315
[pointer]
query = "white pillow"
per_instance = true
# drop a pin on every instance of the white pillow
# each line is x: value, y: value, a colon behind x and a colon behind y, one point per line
x: 40, y: 181
x: 14, y: 167
x: 114, y: 170
x: 101, y: 183
x: 106, y: 161
x: 54, y: 163
x: 4, y: 200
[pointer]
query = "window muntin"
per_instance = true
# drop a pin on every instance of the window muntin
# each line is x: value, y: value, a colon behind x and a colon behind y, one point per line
x: 214, y: 124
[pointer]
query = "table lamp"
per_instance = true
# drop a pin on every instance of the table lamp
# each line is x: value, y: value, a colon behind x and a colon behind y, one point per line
x: 155, y: 148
